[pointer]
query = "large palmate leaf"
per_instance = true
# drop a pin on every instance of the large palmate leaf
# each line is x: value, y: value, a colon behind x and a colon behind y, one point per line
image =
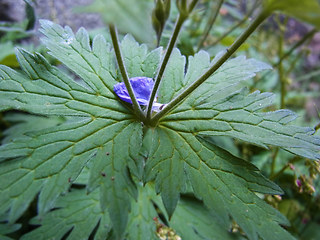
x: 98, y: 130
x: 221, y: 107
x: 225, y: 183
x: 82, y: 127
x: 78, y: 215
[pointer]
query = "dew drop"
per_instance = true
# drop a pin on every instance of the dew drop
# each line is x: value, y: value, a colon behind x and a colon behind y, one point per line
x: 69, y: 40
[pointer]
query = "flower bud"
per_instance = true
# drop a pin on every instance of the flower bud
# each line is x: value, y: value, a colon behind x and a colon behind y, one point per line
x: 182, y: 7
x: 160, y: 15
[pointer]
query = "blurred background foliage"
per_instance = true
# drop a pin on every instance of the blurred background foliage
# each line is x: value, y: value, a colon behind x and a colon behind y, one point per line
x: 288, y: 44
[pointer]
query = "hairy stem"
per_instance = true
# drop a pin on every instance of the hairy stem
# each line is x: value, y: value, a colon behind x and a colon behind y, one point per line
x: 237, y: 43
x: 182, y: 17
x: 114, y: 36
x: 212, y: 18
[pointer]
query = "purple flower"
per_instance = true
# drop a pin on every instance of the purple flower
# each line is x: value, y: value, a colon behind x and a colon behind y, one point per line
x: 142, y: 88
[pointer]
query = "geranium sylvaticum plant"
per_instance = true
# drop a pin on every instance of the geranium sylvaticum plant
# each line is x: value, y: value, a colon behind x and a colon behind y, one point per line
x: 127, y: 149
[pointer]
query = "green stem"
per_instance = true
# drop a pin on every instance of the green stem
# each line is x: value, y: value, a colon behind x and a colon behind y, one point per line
x: 282, y: 79
x: 310, y: 34
x: 182, y: 17
x: 237, y: 43
x: 136, y: 107
x: 192, y: 5
x: 274, y: 160
x: 238, y: 24
x: 274, y: 176
x: 212, y: 18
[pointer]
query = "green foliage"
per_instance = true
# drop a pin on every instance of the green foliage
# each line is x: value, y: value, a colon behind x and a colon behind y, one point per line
x: 77, y: 212
x: 7, y: 56
x: 97, y: 171
x: 307, y: 10
x: 6, y: 229
x: 131, y: 16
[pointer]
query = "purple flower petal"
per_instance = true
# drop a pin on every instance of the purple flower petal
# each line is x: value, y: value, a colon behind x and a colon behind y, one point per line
x: 142, y: 88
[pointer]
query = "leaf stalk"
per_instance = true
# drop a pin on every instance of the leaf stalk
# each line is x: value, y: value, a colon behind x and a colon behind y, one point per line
x: 236, y: 44
x: 136, y: 107
x: 181, y: 19
x: 212, y: 18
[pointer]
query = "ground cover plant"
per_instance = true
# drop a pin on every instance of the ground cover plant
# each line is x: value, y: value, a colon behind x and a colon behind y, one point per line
x: 130, y: 141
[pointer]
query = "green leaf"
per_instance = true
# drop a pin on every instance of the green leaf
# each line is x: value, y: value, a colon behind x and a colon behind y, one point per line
x: 7, y: 56
x: 93, y: 128
x: 165, y: 164
x: 228, y: 77
x: 225, y: 183
x: 30, y: 14
x: 141, y: 224
x: 7, y: 229
x: 78, y: 214
x: 139, y: 62
x: 252, y: 214
x: 173, y: 77
x: 82, y: 127
x: 193, y: 221
x: 109, y: 171
x: 24, y: 124
x: 221, y: 107
x: 306, y: 11
x: 130, y: 16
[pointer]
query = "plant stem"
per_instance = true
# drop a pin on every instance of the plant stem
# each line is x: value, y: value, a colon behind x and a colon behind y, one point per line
x: 238, y: 24
x: 274, y: 160
x: 182, y: 17
x: 274, y: 176
x: 282, y: 79
x: 310, y: 34
x: 237, y: 43
x: 212, y: 18
x: 136, y: 107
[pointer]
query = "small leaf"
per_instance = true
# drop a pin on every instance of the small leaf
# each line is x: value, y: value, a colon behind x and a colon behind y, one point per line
x: 30, y: 13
